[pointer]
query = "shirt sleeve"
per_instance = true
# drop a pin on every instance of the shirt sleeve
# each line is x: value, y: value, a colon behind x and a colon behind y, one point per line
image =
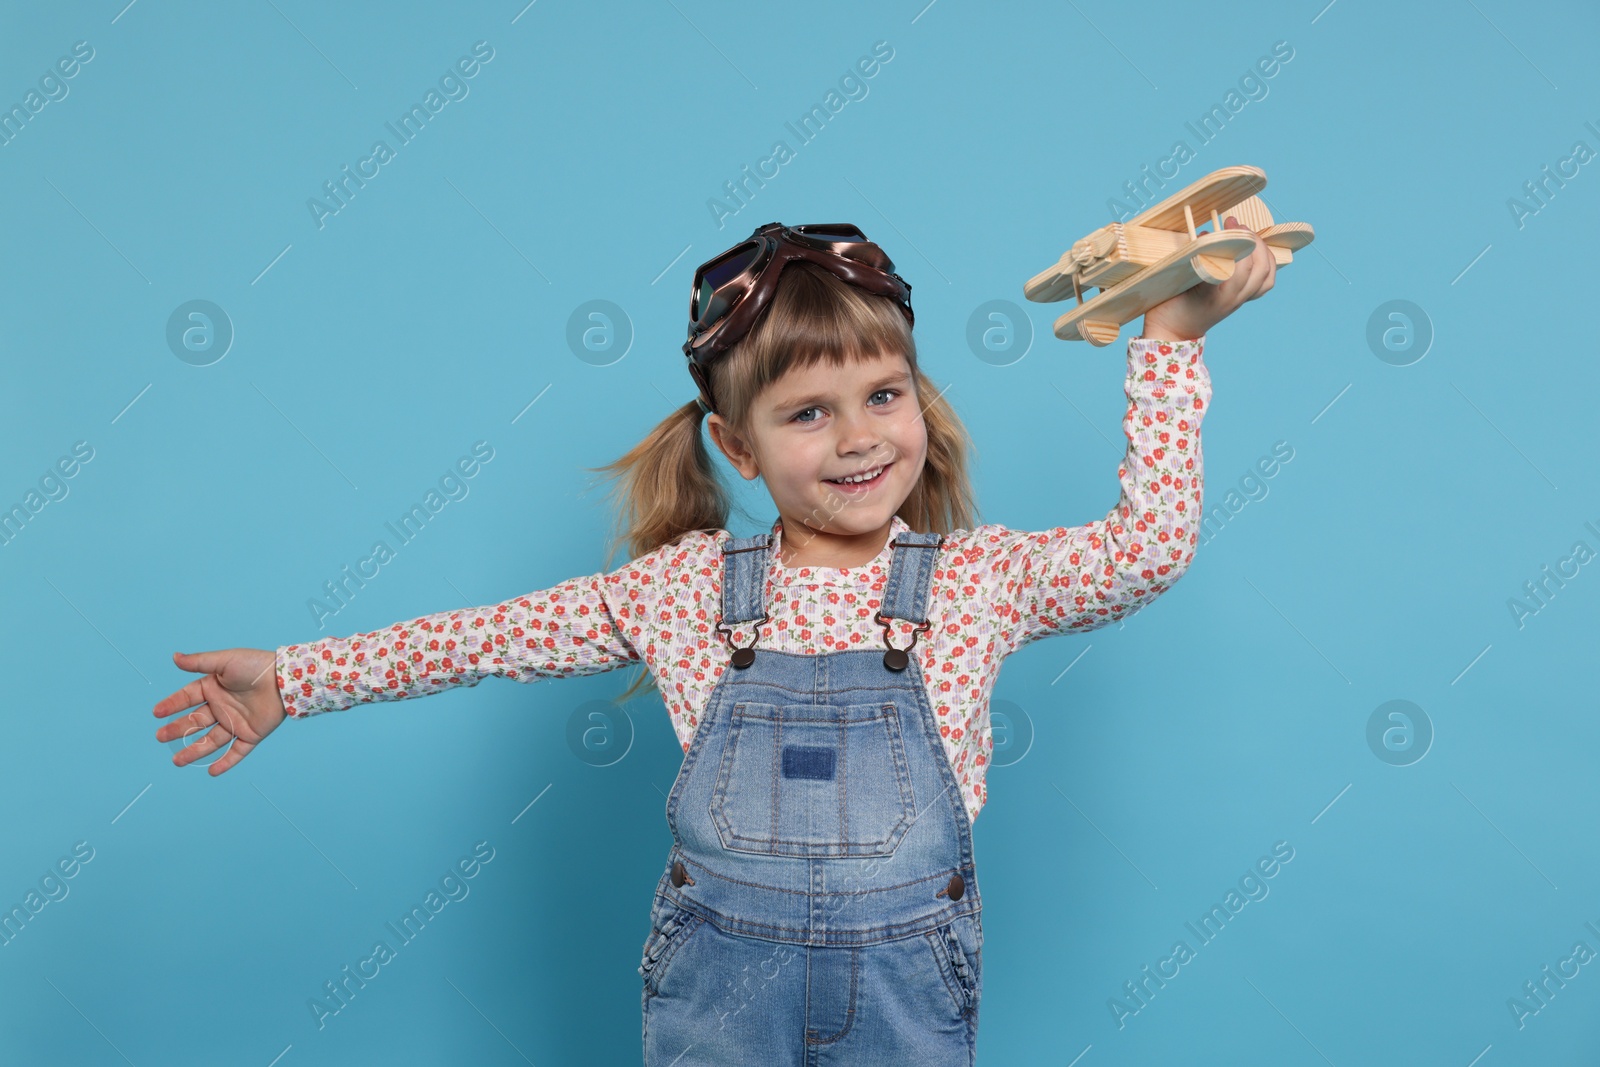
x: 582, y: 626
x: 1078, y: 578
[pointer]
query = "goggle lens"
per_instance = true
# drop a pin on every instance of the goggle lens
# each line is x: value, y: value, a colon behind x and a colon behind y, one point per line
x: 829, y: 234
x: 708, y: 306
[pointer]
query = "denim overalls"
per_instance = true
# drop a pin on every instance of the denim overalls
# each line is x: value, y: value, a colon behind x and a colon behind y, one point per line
x: 820, y: 903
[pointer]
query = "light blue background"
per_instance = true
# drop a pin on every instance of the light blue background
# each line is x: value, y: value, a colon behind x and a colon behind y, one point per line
x: 429, y: 312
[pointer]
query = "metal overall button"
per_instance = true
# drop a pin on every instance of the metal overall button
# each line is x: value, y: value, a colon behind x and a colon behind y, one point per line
x: 680, y: 875
x: 813, y: 780
x: 743, y: 655
x: 898, y: 659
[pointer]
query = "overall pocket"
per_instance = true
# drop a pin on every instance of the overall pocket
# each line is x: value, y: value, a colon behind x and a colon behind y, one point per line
x: 958, y: 948
x: 813, y: 780
x: 662, y: 946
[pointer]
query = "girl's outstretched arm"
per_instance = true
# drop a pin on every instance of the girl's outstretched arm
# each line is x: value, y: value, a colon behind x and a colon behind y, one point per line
x: 1074, y: 578
x: 581, y: 626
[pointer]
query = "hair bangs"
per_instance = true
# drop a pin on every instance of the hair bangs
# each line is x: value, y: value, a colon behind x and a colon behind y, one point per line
x: 812, y: 318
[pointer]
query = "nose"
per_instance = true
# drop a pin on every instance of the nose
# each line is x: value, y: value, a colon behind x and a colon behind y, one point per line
x: 858, y: 436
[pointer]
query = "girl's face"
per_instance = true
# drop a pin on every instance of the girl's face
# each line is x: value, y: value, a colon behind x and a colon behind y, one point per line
x: 817, y: 427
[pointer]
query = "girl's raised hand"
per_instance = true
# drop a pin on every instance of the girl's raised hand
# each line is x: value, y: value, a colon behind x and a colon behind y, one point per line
x: 238, y: 700
x: 1193, y: 312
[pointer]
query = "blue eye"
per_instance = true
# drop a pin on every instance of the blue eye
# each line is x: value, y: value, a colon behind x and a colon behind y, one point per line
x: 892, y: 393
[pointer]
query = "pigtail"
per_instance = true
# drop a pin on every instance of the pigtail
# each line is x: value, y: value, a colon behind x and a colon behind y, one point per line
x: 663, y: 487
x: 942, y: 500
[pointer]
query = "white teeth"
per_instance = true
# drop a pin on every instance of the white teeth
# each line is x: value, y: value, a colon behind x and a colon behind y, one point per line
x: 867, y: 477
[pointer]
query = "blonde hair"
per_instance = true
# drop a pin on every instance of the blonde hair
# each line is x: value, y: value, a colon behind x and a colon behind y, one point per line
x: 666, y: 486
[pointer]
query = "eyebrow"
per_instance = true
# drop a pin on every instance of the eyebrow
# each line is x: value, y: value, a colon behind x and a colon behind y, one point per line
x: 801, y: 402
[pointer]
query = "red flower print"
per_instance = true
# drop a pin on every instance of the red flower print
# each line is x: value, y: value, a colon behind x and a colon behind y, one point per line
x: 993, y: 590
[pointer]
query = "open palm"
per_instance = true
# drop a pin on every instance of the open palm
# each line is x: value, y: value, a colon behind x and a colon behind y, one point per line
x: 238, y: 701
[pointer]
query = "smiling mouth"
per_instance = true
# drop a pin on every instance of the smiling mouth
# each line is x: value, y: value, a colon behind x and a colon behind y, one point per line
x: 857, y: 483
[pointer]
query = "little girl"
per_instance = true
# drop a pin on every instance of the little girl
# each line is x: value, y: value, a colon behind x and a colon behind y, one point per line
x: 828, y: 679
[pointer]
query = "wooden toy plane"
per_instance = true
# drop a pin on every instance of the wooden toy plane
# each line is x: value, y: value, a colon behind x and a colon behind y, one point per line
x: 1157, y: 254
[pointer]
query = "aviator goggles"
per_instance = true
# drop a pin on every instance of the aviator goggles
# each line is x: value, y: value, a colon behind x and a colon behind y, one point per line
x: 732, y: 289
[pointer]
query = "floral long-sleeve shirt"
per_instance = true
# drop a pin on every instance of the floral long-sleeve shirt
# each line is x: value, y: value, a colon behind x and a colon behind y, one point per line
x: 993, y: 591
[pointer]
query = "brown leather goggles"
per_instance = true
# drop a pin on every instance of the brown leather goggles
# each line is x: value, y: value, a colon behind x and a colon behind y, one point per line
x: 732, y: 289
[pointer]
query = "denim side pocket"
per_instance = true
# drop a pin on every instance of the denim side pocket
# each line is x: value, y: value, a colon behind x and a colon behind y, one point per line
x: 957, y: 965
x: 954, y: 968
x: 662, y: 945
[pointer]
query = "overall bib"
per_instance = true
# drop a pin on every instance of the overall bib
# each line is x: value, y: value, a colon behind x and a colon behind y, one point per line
x: 820, y: 903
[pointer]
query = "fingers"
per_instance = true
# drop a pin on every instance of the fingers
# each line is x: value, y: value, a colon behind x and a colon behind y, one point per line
x: 187, y: 697
x: 1267, y: 279
x: 241, y: 748
x: 1246, y: 272
x: 187, y: 726
x: 1254, y: 274
x: 230, y: 717
x: 223, y: 722
x: 1264, y: 270
x: 214, y: 739
x: 201, y: 662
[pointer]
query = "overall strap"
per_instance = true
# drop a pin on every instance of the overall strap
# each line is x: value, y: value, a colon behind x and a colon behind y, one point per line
x: 905, y: 595
x: 745, y: 565
x: 910, y: 573
x: 747, y: 562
